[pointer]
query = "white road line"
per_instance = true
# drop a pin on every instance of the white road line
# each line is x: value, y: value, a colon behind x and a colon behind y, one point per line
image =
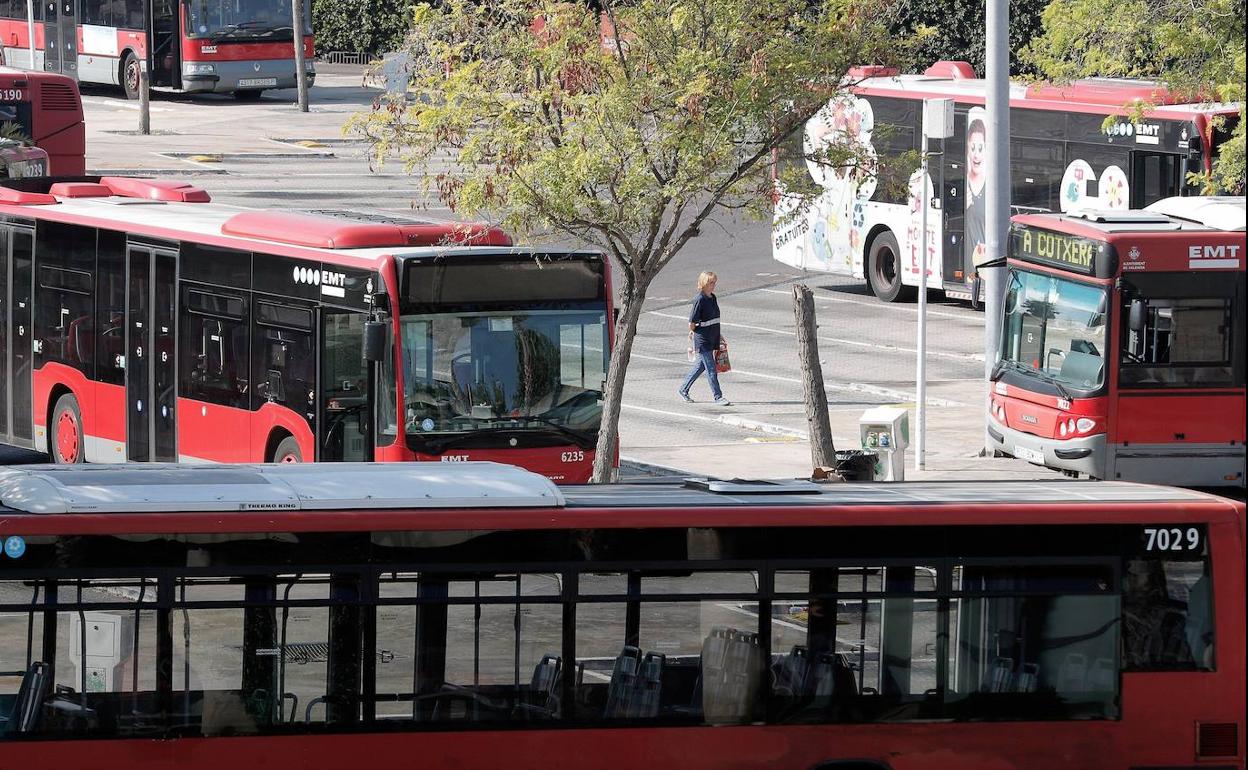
x: 964, y: 357
x: 125, y: 105
x: 820, y: 297
x: 898, y: 396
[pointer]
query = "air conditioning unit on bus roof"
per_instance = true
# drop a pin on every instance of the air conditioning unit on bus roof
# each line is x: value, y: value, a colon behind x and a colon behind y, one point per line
x: 338, y: 232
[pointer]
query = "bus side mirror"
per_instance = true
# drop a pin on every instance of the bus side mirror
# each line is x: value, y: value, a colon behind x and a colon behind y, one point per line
x: 375, y: 341
x: 1135, y: 320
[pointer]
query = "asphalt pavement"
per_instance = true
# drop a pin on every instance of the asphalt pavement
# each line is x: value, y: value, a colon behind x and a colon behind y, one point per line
x: 267, y: 154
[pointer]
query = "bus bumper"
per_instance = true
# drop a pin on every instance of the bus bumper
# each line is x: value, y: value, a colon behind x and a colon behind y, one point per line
x: 1082, y: 455
x: 231, y: 76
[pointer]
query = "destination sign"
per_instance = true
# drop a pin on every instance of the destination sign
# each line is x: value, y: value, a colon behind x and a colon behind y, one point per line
x: 1070, y: 252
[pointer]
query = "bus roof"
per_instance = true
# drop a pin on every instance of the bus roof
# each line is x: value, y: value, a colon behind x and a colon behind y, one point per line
x: 160, y: 497
x: 169, y: 209
x: 1196, y: 214
x: 1096, y: 95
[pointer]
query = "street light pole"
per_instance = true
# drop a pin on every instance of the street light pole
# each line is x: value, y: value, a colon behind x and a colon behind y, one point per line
x: 997, y: 184
x: 301, y: 74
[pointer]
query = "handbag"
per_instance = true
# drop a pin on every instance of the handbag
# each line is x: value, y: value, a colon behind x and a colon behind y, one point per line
x: 722, y: 362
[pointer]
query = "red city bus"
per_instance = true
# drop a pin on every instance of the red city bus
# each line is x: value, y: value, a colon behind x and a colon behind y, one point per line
x: 139, y: 321
x: 1063, y: 156
x: 195, y: 46
x: 161, y: 617
x: 46, y: 109
x: 1122, y: 354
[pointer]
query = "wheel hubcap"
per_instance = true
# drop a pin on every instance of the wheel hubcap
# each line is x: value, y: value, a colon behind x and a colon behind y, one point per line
x: 67, y: 437
x: 289, y: 459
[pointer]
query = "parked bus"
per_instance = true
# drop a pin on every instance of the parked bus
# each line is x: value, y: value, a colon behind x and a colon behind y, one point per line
x: 44, y: 110
x: 195, y: 46
x: 476, y: 615
x: 146, y: 323
x: 1063, y: 157
x: 1122, y: 354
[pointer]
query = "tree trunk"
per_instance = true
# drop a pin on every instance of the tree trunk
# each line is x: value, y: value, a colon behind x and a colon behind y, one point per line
x: 605, y: 470
x: 822, y: 452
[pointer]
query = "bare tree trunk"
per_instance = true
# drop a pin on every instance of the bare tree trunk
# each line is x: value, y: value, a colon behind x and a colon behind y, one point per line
x: 605, y: 470
x: 822, y: 452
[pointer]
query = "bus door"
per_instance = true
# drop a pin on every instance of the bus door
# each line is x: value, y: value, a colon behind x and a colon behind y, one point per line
x: 953, y: 202
x: 164, y: 56
x: 151, y: 374
x: 16, y: 318
x: 1155, y: 175
x: 345, y: 404
x: 60, y: 35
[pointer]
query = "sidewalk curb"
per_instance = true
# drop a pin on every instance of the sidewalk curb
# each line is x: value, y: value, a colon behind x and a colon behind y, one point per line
x: 761, y: 427
x: 653, y: 469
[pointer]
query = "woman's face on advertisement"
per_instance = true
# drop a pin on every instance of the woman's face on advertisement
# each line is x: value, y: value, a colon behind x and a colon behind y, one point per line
x: 975, y: 151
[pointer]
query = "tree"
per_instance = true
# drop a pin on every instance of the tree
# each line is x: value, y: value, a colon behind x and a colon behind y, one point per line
x: 626, y: 132
x: 375, y: 26
x: 1194, y: 47
x: 957, y: 29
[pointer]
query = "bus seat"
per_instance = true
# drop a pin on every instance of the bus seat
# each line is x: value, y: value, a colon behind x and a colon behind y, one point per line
x: 1072, y: 673
x: 1102, y: 675
x: 728, y: 692
x: 623, y: 679
x: 649, y: 686
x: 542, y: 699
x: 1028, y: 679
x: 792, y: 673
x: 80, y: 341
x: 29, y: 703
x: 999, y: 677
x: 1082, y: 368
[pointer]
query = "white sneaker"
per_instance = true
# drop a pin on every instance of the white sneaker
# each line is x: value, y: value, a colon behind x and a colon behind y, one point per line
x: 721, y: 401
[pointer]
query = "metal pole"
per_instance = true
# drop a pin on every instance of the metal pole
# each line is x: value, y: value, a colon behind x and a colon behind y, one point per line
x: 145, y: 112
x: 30, y: 29
x: 997, y: 192
x: 920, y: 401
x: 301, y: 75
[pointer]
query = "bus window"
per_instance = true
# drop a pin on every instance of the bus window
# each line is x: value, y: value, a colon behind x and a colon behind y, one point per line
x: 1185, y: 342
x: 1167, y: 615
x: 284, y: 364
x: 214, y: 348
x: 1033, y: 642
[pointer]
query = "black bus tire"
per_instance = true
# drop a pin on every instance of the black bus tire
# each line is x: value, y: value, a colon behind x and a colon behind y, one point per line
x: 884, y: 269
x: 287, y: 451
x: 248, y: 96
x: 130, y: 75
x: 66, y: 439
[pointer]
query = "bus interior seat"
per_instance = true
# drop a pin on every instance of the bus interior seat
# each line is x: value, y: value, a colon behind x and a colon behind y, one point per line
x: 1082, y: 368
x: 28, y: 705
x: 80, y: 341
x: 791, y: 673
x: 1102, y: 675
x: 649, y: 686
x: 832, y: 678
x: 623, y: 679
x: 1072, y: 673
x: 1028, y: 679
x: 731, y: 667
x: 999, y: 677
x: 542, y: 698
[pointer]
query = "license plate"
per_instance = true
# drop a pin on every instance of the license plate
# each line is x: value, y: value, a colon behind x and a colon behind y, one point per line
x: 248, y: 82
x: 1030, y: 455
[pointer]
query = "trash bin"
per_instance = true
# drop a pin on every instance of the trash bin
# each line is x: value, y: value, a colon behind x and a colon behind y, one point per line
x: 856, y: 464
x: 886, y: 430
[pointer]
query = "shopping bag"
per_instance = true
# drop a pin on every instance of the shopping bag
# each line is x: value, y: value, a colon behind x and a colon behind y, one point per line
x: 722, y: 364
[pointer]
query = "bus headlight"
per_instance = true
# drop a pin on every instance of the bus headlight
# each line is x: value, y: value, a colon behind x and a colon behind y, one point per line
x: 1084, y: 425
x: 198, y: 68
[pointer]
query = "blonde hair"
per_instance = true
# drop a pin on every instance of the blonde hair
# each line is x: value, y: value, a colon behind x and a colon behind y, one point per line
x: 706, y: 277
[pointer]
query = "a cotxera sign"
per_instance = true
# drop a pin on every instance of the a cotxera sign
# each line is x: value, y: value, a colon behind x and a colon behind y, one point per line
x: 1069, y: 252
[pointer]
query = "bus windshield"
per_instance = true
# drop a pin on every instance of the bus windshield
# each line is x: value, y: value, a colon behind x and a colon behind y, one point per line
x: 1055, y: 330
x: 240, y: 19
x: 533, y: 369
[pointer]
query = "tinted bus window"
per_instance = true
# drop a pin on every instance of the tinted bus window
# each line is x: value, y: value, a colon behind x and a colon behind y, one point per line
x: 214, y: 358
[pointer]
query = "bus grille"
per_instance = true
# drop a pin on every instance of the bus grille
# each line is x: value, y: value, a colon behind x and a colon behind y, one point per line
x: 58, y: 96
x: 1217, y: 740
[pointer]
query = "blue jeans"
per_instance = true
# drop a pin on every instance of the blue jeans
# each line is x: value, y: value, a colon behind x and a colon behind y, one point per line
x: 705, y: 363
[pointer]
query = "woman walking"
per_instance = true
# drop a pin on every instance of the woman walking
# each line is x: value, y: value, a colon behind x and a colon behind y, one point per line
x: 704, y: 338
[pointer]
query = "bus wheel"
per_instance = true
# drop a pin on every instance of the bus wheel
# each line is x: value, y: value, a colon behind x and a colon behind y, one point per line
x: 884, y: 269
x: 66, y: 444
x: 248, y: 96
x: 287, y: 451
x: 130, y: 76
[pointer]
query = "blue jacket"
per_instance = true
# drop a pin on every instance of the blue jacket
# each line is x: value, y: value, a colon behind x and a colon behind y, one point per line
x: 705, y: 314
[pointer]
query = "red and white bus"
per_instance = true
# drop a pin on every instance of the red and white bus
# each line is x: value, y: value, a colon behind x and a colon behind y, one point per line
x: 1063, y: 157
x: 46, y: 110
x: 302, y: 617
x: 196, y: 46
x: 139, y: 321
x: 1123, y: 347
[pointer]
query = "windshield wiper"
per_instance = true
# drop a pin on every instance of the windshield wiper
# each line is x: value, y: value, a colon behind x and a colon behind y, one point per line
x: 583, y: 438
x: 439, y: 445
x: 1006, y: 363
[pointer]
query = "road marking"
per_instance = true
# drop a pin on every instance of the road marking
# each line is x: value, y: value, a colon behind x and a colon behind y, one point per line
x: 964, y: 357
x: 851, y: 387
x: 877, y: 304
x: 126, y: 104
